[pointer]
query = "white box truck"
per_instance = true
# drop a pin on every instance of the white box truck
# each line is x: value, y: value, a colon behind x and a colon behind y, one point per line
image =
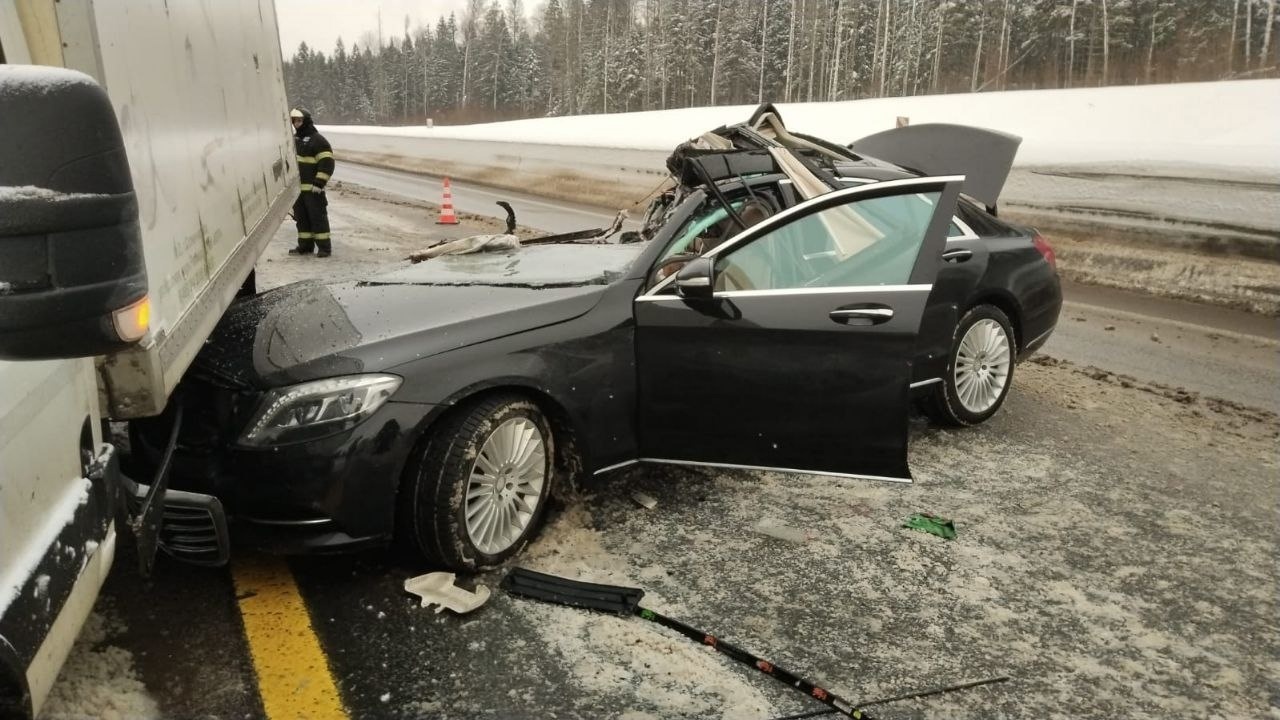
x: 145, y: 161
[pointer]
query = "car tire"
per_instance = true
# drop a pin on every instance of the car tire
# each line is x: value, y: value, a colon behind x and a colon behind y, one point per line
x: 979, y: 370
x: 480, y: 486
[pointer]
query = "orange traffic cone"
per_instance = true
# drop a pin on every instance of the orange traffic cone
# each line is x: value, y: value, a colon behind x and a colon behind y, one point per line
x: 446, y: 210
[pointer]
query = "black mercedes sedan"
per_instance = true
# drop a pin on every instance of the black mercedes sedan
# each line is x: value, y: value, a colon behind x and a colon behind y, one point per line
x: 780, y: 309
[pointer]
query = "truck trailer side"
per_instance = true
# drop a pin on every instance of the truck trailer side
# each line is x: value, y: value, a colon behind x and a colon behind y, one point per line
x: 197, y: 97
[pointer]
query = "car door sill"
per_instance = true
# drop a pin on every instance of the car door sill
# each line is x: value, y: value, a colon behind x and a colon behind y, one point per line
x: 616, y: 466
x: 1039, y: 337
x: 694, y: 463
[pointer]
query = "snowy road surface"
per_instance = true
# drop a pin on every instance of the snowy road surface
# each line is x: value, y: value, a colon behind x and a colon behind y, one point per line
x: 1225, y: 204
x: 1115, y: 557
x: 534, y: 212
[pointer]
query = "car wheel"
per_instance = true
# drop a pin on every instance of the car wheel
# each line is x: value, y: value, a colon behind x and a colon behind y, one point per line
x: 979, y: 369
x: 481, y: 484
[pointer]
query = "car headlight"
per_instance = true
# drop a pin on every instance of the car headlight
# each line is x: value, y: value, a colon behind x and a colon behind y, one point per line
x: 315, y: 409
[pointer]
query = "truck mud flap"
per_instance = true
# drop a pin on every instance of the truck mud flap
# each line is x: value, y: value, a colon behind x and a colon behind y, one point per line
x: 192, y: 527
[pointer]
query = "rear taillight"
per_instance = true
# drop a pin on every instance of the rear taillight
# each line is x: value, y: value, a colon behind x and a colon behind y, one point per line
x: 1045, y: 249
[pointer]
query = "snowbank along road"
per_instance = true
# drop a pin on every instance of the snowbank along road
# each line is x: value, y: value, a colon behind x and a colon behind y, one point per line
x: 1115, y: 558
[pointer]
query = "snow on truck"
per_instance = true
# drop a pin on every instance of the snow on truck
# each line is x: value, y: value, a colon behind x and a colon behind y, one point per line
x: 145, y: 161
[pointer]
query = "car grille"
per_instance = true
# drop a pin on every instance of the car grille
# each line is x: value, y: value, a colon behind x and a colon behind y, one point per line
x: 192, y: 533
x: 193, y: 527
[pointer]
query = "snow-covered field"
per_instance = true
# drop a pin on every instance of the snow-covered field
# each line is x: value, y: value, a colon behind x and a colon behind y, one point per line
x: 1221, y: 124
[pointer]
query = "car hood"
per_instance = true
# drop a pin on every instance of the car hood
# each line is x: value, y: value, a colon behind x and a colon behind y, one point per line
x: 311, y: 330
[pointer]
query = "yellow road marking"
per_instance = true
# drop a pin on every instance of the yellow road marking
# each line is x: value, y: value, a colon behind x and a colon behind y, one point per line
x: 293, y: 673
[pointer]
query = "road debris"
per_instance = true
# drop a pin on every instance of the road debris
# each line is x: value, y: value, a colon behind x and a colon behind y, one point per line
x: 906, y: 696
x: 644, y: 500
x: 932, y: 524
x: 438, y: 588
x: 777, y: 531
x: 626, y: 601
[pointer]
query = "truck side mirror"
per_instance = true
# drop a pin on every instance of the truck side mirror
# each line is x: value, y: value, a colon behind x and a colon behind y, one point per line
x: 73, y: 281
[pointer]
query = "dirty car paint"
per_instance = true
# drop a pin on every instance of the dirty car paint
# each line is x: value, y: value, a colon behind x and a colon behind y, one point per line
x: 532, y: 266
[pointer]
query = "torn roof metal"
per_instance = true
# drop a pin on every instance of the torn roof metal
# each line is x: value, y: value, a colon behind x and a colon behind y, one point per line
x: 764, y: 144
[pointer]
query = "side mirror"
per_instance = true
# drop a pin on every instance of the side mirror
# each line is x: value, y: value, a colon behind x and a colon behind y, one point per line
x: 73, y: 281
x: 696, y: 278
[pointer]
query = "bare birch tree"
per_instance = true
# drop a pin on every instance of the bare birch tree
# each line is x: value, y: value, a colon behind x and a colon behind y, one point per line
x: 1106, y: 41
x: 977, y: 54
x: 608, y: 31
x: 1266, y: 35
x: 1071, y: 43
x: 937, y: 48
x: 470, y: 31
x: 813, y: 55
x: 875, y: 44
x: 1002, y: 61
x: 764, y: 30
x: 884, y: 61
x: 1248, y: 33
x: 715, y: 54
x: 1231, y: 48
x: 791, y: 50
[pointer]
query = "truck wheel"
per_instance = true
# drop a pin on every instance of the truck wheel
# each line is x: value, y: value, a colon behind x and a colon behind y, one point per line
x: 979, y: 369
x: 480, y: 486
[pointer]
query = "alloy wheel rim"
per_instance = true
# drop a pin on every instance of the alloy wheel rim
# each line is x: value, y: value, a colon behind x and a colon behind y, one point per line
x: 982, y: 366
x: 505, y: 485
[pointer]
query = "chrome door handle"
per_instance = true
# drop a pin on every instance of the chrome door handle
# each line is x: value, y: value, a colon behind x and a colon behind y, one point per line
x: 862, y: 316
x: 957, y: 255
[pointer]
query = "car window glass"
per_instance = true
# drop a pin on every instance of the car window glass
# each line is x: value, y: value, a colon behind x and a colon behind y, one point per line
x: 953, y: 230
x: 983, y: 224
x: 864, y: 242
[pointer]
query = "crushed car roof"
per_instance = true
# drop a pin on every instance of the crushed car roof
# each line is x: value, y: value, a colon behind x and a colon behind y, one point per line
x: 764, y: 144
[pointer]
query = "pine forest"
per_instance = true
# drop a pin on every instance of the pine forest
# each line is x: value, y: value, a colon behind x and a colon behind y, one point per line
x: 497, y: 61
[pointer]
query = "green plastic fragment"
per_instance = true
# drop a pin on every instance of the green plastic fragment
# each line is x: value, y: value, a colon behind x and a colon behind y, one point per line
x: 932, y: 524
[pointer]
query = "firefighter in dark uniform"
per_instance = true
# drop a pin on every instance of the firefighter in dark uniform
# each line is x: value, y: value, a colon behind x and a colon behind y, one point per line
x: 315, y: 167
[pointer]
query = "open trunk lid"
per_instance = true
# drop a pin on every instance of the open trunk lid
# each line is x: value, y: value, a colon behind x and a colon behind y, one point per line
x: 983, y: 156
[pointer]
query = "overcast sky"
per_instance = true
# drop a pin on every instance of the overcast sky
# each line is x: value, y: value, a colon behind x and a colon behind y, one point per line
x: 321, y: 22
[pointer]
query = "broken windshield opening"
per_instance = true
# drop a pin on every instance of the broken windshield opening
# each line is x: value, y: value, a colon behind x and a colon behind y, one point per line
x: 713, y: 220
